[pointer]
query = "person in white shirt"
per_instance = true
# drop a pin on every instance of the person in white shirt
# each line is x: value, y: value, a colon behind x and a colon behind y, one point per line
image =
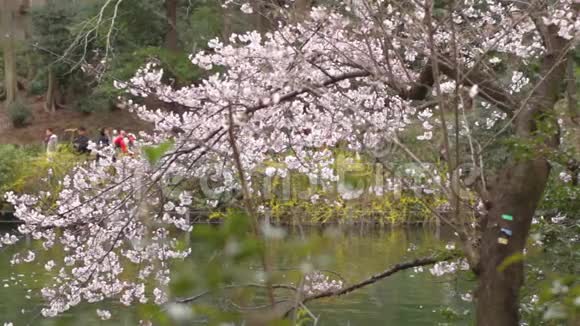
x: 51, y: 141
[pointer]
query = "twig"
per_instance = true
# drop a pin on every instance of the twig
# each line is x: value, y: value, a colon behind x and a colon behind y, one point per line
x: 248, y: 308
x: 314, y: 318
x: 235, y: 286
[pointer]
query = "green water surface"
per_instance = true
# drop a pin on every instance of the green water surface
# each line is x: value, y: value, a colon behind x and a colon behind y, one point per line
x: 406, y: 298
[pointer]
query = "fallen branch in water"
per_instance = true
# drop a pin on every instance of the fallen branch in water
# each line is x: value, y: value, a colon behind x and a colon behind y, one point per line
x: 377, y: 277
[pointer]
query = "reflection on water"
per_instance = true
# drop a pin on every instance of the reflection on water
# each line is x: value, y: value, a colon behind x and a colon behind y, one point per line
x: 406, y: 298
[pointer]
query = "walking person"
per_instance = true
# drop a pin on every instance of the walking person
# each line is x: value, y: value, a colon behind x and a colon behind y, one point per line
x: 50, y: 141
x: 104, y: 139
x: 121, y: 143
x: 131, y: 142
x: 81, y: 141
x: 103, y: 142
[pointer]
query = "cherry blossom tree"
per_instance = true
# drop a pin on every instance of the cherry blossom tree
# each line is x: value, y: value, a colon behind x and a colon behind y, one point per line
x: 360, y: 73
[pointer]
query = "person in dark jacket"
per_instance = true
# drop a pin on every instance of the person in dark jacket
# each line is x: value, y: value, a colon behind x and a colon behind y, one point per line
x: 81, y: 142
x: 104, y: 138
x: 103, y: 141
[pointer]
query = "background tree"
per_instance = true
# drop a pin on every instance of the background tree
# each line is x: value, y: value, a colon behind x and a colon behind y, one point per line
x: 10, y: 9
x: 52, y: 24
x: 171, y: 36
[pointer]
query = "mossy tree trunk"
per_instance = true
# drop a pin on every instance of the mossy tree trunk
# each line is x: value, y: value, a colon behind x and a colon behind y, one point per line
x: 301, y: 10
x: 26, y: 23
x: 52, y: 92
x: 7, y: 14
x: 171, y: 36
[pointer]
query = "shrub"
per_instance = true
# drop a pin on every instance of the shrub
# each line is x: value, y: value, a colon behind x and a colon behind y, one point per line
x: 95, y: 102
x: 37, y: 86
x: 36, y: 173
x: 19, y: 113
x: 10, y: 157
x: 11, y: 160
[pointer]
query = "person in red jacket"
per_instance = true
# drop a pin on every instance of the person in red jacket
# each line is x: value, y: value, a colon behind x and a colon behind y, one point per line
x: 120, y: 143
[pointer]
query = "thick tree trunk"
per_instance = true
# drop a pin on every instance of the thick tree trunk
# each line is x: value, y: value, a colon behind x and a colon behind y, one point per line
x: 301, y: 10
x: 51, y: 92
x: 26, y: 23
x: 8, y: 12
x: 517, y: 195
x: 171, y: 37
x: 260, y: 17
x: 226, y: 24
x: 10, y: 77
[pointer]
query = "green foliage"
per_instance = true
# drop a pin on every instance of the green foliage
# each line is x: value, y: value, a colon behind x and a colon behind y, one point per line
x: 51, y: 25
x: 303, y: 317
x: 552, y: 294
x: 497, y: 148
x: 177, y: 66
x: 19, y: 113
x: 52, y: 33
x: 450, y: 314
x: 140, y: 29
x: 38, y: 85
x: 204, y: 23
x: 561, y: 197
x: 387, y: 209
x: 560, y: 297
x: 31, y: 171
x: 52, y: 36
x: 137, y: 38
x: 11, y: 158
x: 510, y: 260
x: 94, y: 102
x: 155, y: 153
x: 28, y: 170
x: 139, y: 23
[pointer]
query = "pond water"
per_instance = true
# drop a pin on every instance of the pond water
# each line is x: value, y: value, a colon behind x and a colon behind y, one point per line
x: 406, y: 298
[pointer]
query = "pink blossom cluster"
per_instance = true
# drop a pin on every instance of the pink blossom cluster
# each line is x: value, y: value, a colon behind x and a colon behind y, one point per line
x: 449, y: 267
x: 318, y: 282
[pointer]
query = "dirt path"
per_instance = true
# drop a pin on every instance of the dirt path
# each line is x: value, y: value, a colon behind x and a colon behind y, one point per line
x: 65, y: 119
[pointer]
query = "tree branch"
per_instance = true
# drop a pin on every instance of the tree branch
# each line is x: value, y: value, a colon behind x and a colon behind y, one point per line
x: 420, y: 89
x: 290, y: 96
x: 488, y: 89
